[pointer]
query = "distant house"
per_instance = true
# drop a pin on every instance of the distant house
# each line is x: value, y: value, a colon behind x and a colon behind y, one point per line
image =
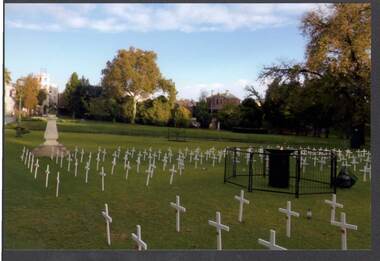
x: 217, y: 101
x: 9, y: 99
x: 50, y: 88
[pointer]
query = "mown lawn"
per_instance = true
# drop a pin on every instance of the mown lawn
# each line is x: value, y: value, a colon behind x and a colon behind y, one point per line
x: 67, y: 125
x: 35, y: 219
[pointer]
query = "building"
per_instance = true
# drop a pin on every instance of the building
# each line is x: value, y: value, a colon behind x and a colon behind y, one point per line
x: 9, y: 99
x: 188, y: 104
x: 217, y: 101
x: 51, y: 90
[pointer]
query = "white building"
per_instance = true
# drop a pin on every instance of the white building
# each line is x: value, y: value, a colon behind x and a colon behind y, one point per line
x: 50, y: 88
x: 9, y: 99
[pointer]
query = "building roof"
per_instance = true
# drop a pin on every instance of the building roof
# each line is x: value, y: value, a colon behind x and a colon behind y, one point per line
x: 226, y: 95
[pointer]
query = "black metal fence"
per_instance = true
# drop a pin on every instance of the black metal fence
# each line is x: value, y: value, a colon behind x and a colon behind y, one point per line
x: 305, y: 171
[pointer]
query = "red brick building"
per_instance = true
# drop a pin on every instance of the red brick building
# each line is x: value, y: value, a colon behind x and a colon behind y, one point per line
x: 217, y: 101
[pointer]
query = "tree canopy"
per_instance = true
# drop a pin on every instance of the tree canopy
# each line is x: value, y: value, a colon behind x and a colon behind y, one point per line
x: 134, y: 73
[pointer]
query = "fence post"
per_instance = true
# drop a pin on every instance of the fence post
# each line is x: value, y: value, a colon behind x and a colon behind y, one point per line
x: 225, y: 164
x: 264, y: 163
x: 298, y: 173
x: 250, y: 177
x: 234, y: 164
x: 333, y: 172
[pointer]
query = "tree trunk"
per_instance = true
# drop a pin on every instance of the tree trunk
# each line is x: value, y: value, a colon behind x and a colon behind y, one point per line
x: 134, y: 101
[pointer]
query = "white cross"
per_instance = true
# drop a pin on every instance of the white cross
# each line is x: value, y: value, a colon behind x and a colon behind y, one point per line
x: 137, y: 238
x: 29, y: 158
x: 242, y: 201
x: 333, y: 205
x: 76, y: 167
x: 128, y: 167
x: 90, y: 157
x: 196, y: 159
x: 76, y: 151
x: 81, y: 155
x: 366, y: 170
x: 104, y: 154
x: 125, y: 159
x: 103, y: 174
x: 165, y: 161
x: 31, y: 165
x: 219, y: 227
x: 354, y: 163
x: 69, y: 161
x: 47, y: 176
x: 272, y: 242
x: 108, y: 219
x: 148, y: 171
x: 23, y: 153
x: 179, y: 209
x: 26, y: 156
x: 289, y: 213
x: 97, y: 161
x: 87, y: 169
x: 36, y: 165
x: 172, y: 171
x: 344, y: 226
x: 57, y: 188
x: 113, y: 165
x: 138, y: 161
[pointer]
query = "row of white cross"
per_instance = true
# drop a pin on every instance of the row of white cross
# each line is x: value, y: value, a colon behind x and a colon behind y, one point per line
x: 28, y: 158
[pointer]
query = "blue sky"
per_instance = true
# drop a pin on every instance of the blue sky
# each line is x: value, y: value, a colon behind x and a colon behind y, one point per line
x: 199, y: 46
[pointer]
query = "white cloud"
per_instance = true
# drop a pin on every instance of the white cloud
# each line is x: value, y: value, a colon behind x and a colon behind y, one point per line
x: 155, y: 17
x: 236, y: 88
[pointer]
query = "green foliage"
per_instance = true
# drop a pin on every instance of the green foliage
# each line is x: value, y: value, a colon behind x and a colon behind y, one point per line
x: 229, y: 116
x: 182, y: 117
x: 134, y: 73
x: 202, y: 114
x: 251, y: 114
x: 98, y: 109
x: 154, y: 112
x: 41, y: 97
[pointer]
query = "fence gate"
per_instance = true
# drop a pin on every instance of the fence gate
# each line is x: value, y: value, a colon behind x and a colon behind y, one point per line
x: 310, y: 171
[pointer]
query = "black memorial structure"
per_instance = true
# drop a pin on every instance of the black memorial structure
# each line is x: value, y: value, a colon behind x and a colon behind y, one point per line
x: 279, y: 160
x: 289, y: 170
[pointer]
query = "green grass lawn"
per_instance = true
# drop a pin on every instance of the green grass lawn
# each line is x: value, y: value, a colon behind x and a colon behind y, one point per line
x: 35, y: 219
x: 66, y: 125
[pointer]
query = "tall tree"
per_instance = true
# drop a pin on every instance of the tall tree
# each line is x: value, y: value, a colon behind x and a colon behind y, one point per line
x: 41, y: 96
x: 68, y: 94
x: 339, y: 44
x: 27, y: 89
x: 134, y: 73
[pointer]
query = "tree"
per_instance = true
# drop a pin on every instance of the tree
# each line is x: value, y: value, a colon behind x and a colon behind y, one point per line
x: 41, y: 97
x: 182, y: 116
x: 251, y: 113
x: 134, y: 73
x: 229, y: 116
x: 27, y: 89
x: 155, y: 111
x: 345, y: 55
x: 68, y: 94
x: 334, y: 81
x: 201, y: 113
x: 7, y: 76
